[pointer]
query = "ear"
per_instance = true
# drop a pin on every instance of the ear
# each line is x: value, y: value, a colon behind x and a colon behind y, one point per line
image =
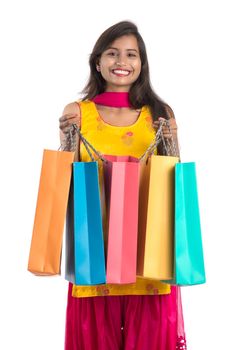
x: 98, y: 66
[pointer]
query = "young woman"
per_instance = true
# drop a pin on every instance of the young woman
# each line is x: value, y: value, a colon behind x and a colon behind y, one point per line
x: 118, y: 115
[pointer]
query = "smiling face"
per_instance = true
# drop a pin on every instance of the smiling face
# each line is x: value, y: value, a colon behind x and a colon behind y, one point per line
x: 120, y: 63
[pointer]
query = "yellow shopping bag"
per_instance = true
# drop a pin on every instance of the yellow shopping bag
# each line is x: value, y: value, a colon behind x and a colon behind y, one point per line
x: 156, y: 217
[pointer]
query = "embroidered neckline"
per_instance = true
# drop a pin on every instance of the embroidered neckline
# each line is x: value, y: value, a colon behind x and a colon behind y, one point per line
x: 119, y: 126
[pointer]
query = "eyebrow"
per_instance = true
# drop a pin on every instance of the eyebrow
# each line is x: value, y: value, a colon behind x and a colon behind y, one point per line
x: 115, y: 48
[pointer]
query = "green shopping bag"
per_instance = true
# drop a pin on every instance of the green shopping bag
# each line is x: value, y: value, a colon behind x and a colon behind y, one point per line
x: 188, y: 250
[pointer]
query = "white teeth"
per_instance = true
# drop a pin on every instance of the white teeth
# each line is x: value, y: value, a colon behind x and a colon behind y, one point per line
x: 121, y: 72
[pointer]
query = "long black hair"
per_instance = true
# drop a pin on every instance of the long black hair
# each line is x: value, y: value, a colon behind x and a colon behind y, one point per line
x: 141, y: 92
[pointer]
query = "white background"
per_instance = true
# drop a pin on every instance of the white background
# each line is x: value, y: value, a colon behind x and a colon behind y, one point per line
x: 45, y: 46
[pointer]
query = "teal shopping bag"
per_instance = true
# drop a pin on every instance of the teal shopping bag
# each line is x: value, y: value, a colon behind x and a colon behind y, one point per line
x: 88, y: 232
x: 85, y: 257
x: 84, y: 229
x: 188, y: 250
x: 85, y: 261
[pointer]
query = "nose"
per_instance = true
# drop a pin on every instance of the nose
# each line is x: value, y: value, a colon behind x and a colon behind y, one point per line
x: 120, y: 64
x: 120, y: 60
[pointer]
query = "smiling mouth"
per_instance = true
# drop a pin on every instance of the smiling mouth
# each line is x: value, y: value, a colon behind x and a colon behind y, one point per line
x: 121, y: 72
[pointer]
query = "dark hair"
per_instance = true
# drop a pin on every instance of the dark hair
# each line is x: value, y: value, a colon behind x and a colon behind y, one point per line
x: 141, y: 93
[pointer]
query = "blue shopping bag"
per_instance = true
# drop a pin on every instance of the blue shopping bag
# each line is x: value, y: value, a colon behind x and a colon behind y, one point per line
x: 85, y: 260
x: 189, y: 266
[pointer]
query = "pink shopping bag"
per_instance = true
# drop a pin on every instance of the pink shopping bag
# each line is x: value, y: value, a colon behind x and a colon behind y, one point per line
x: 121, y: 179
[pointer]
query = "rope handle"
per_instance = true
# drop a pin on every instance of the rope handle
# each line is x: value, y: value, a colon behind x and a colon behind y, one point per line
x: 170, y: 150
x: 88, y: 145
x: 70, y: 144
x: 155, y: 142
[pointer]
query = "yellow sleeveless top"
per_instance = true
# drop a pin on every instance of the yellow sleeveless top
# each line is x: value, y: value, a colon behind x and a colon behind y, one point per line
x: 117, y: 140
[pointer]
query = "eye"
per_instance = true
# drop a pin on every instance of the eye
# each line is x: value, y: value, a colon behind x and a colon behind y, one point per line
x: 132, y: 54
x: 111, y: 53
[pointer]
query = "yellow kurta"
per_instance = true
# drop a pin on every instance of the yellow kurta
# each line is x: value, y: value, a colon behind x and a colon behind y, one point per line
x: 117, y: 140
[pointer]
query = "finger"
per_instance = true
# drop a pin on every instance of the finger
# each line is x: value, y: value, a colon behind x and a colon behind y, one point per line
x: 167, y: 136
x: 66, y: 131
x: 170, y: 128
x: 69, y: 121
x: 158, y: 122
x: 173, y: 134
x: 67, y: 116
x: 64, y: 124
x: 172, y: 124
x: 66, y: 127
x: 166, y: 131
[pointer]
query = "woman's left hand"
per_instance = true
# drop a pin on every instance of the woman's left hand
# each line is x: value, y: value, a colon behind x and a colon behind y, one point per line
x: 165, y: 129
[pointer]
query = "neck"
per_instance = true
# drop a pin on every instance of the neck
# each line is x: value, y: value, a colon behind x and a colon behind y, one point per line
x: 120, y: 89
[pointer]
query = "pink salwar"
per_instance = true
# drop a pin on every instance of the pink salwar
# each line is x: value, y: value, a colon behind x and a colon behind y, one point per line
x: 127, y: 322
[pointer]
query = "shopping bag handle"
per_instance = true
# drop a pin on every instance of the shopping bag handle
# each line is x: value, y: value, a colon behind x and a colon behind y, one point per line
x: 88, y: 145
x: 171, y: 150
x: 159, y: 137
x: 68, y: 143
x: 149, y: 151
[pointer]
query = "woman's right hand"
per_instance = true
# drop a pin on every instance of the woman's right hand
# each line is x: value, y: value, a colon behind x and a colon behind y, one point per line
x: 71, y: 115
x: 66, y: 121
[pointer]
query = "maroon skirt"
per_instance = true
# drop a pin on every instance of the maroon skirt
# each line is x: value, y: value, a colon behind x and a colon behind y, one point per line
x: 127, y: 322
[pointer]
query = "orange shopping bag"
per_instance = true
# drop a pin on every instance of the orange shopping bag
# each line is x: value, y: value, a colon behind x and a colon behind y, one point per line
x: 46, y: 243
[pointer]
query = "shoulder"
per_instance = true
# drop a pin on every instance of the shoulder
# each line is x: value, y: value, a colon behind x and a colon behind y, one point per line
x: 72, y: 107
x: 76, y: 106
x: 169, y: 111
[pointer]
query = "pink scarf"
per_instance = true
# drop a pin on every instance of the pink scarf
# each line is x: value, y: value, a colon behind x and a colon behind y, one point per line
x: 112, y: 99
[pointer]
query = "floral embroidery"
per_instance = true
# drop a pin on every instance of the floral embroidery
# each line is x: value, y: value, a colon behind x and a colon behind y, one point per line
x: 127, y: 138
x: 106, y: 291
x: 100, y: 125
x: 151, y: 289
x: 149, y: 124
x: 102, y: 290
x: 149, y: 286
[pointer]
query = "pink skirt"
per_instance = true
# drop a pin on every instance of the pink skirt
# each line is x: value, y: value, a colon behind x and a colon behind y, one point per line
x: 127, y: 322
